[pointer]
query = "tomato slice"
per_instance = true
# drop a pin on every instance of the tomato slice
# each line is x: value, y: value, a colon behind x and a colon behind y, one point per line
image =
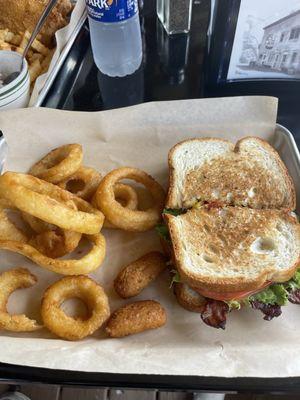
x: 231, y: 295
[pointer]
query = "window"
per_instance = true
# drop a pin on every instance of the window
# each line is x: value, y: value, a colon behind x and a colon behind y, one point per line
x: 295, y: 33
x: 284, y: 58
x: 282, y: 37
x: 294, y: 57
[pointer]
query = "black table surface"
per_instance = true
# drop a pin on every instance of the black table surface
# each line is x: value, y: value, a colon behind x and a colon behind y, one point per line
x: 173, y: 68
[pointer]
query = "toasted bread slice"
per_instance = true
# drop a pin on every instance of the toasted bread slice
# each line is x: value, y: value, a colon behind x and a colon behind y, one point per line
x: 250, y: 174
x: 234, y: 249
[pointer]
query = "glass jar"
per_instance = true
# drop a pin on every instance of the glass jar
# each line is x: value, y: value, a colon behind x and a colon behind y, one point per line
x: 175, y: 15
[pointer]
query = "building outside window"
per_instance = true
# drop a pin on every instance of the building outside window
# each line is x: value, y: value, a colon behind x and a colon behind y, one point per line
x: 295, y: 33
x: 283, y: 61
x: 267, y: 41
x: 264, y: 57
x: 275, y: 65
x: 271, y: 58
x: 294, y: 57
x: 270, y: 40
x: 286, y: 59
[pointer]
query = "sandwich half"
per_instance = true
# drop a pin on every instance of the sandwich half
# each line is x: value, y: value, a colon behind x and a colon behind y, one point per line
x: 242, y: 249
x: 249, y: 174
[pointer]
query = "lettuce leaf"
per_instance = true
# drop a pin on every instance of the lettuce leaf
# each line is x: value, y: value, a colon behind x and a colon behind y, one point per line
x: 199, y: 204
x: 173, y: 211
x: 162, y: 228
x: 276, y: 294
x: 175, y: 278
x: 294, y: 283
x: 163, y: 232
x: 269, y: 311
x: 234, y: 304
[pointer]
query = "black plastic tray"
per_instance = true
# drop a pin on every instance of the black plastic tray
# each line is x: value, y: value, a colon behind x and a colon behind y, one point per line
x: 13, y: 373
x: 172, y: 69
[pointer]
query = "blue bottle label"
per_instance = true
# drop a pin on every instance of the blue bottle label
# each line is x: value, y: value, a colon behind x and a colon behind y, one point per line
x: 111, y: 10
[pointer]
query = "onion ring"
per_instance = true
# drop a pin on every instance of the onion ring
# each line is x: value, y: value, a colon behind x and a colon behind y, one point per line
x: 44, y: 200
x: 90, y: 179
x: 40, y: 226
x: 56, y: 243
x: 36, y: 224
x: 85, y: 265
x: 80, y: 287
x: 50, y: 240
x: 59, y: 164
x: 125, y: 195
x: 10, y: 281
x: 121, y: 217
x: 8, y: 230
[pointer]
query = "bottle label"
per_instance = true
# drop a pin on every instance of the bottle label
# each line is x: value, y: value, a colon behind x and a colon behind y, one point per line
x: 111, y: 10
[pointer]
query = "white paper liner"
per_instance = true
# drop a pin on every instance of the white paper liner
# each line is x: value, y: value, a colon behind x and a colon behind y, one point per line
x: 141, y: 136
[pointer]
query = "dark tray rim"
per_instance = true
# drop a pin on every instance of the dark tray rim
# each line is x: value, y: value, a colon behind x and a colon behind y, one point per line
x: 10, y: 373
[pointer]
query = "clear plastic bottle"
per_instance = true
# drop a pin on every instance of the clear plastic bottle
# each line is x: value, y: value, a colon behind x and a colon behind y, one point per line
x: 115, y: 35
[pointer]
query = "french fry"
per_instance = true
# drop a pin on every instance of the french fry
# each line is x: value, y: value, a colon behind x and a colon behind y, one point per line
x: 25, y: 39
x: 9, y: 36
x: 8, y: 46
x: 30, y: 54
x: 35, y: 70
x: 47, y: 60
x: 36, y: 56
x: 3, y: 33
x: 16, y: 39
x: 5, y: 46
x: 39, y: 47
x: 18, y: 49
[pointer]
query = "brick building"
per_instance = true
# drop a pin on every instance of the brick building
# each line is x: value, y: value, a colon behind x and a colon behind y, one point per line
x: 280, y: 46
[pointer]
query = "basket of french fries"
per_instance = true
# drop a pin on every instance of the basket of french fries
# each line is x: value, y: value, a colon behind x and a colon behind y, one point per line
x: 17, y: 21
x: 39, y: 55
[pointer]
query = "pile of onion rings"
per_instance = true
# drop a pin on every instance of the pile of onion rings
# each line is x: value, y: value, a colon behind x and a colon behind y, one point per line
x: 46, y: 201
x: 56, y: 218
x: 54, y: 318
x: 60, y: 201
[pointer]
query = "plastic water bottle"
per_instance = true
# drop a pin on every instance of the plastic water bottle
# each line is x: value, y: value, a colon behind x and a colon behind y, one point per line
x: 115, y: 35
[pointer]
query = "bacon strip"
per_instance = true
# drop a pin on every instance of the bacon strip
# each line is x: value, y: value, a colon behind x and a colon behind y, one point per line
x: 215, y: 313
x: 214, y: 204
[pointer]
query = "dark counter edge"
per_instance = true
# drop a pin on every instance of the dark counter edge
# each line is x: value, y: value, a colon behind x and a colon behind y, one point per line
x: 22, y: 374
